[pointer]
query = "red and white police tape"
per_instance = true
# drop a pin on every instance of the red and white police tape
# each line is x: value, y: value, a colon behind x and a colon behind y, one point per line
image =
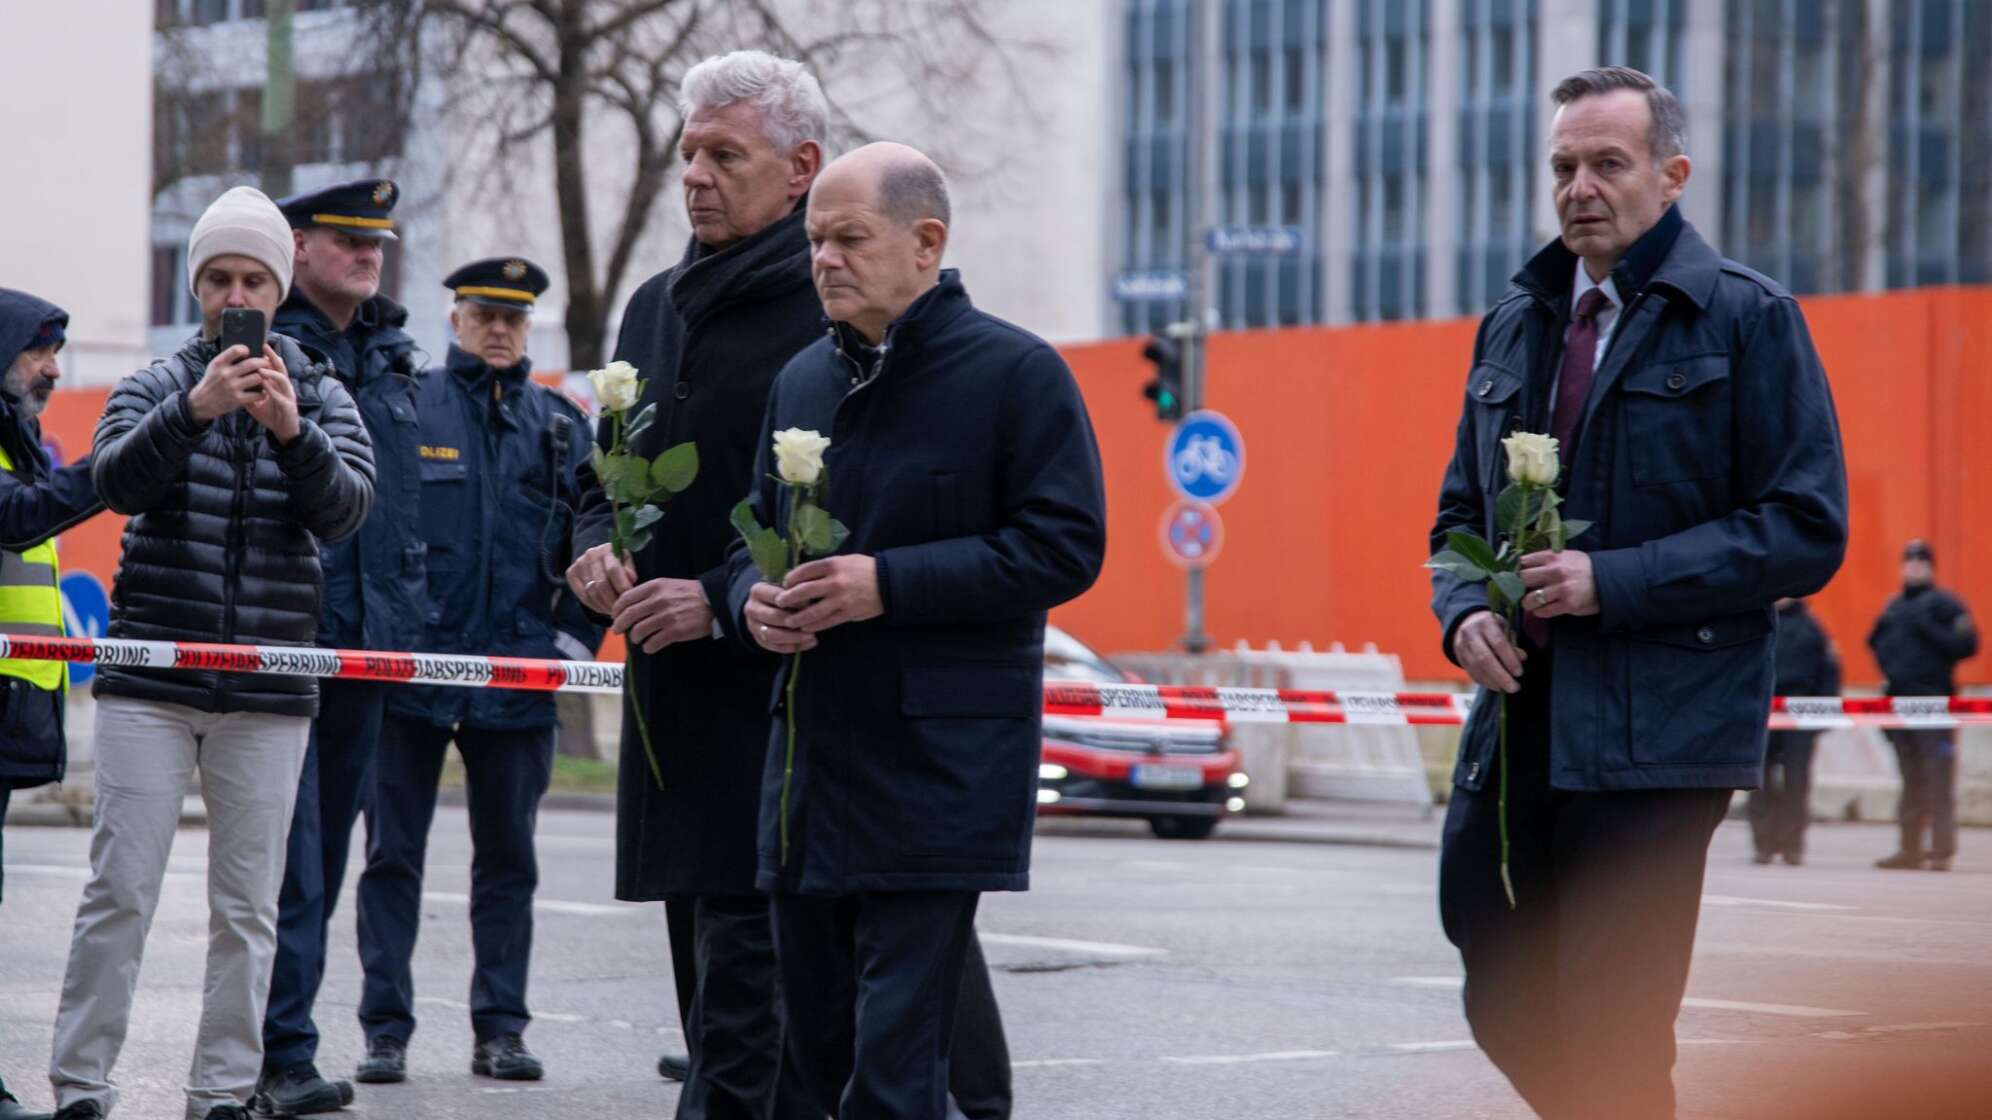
x: 1063, y: 698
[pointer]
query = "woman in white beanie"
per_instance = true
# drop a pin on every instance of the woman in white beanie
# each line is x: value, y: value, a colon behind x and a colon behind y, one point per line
x: 233, y: 467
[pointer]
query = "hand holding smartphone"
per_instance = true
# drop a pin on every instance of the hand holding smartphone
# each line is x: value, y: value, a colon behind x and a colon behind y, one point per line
x: 245, y: 327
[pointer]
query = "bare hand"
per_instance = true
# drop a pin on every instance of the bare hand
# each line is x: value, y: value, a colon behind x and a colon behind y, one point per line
x: 275, y: 407
x: 232, y: 380
x: 1559, y: 583
x: 831, y: 592
x: 773, y: 628
x: 1488, y: 653
x: 599, y: 578
x: 659, y: 612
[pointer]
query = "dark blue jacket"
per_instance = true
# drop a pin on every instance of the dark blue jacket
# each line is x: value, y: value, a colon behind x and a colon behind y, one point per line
x: 498, y: 493
x: 1920, y: 637
x: 374, y: 579
x: 1806, y: 663
x: 37, y: 501
x: 966, y: 466
x: 1709, y: 459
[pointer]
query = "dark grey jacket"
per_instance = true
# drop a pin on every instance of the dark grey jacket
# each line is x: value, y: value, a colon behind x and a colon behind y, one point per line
x: 1919, y: 639
x: 222, y: 545
x: 1709, y: 460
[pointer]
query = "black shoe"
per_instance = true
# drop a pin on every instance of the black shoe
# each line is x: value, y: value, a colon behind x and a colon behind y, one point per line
x: 81, y: 1110
x: 1937, y: 863
x: 386, y: 1062
x: 507, y: 1059
x: 229, y: 1112
x: 1795, y: 859
x: 674, y: 1067
x: 1900, y: 861
x: 299, y: 1091
x: 1761, y: 858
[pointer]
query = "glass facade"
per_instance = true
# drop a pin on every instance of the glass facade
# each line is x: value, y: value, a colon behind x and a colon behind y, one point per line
x: 1160, y: 67
x: 1392, y: 123
x: 1499, y: 147
x: 1939, y: 130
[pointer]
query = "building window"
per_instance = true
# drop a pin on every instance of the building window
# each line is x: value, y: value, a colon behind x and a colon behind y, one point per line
x: 1499, y: 152
x: 169, y: 280
x: 1646, y: 35
x: 1392, y: 121
x: 1162, y: 54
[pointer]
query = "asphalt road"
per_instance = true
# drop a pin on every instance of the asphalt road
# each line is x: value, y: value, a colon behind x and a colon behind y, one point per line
x: 1140, y: 978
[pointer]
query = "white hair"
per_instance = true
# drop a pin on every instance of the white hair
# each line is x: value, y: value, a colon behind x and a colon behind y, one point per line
x: 783, y: 91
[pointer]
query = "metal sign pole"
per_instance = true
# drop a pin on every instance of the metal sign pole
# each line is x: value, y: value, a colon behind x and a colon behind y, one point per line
x: 1202, y: 138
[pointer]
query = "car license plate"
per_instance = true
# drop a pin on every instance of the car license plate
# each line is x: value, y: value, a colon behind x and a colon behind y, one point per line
x: 1166, y: 777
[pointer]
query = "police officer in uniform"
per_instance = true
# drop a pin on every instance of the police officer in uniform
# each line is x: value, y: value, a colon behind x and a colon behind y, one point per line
x: 1919, y: 639
x: 1805, y: 664
x: 374, y: 586
x: 498, y: 456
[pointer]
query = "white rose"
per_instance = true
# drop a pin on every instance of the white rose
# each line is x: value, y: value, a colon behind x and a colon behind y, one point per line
x: 615, y: 386
x: 799, y: 456
x: 1532, y: 459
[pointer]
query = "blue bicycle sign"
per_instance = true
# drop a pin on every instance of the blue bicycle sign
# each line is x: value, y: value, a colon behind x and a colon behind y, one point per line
x: 1206, y: 457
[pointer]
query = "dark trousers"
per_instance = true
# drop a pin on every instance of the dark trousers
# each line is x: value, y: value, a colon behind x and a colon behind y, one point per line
x: 505, y: 775
x: 979, y: 1066
x: 6, y: 794
x: 1928, y: 758
x: 729, y: 1003
x: 331, y: 793
x: 1779, y: 811
x: 871, y: 982
x: 1573, y: 993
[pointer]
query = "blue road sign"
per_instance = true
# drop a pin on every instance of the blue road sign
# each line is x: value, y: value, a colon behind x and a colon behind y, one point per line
x: 86, y: 611
x: 1147, y: 284
x: 1206, y: 457
x: 1192, y: 535
x: 1255, y: 239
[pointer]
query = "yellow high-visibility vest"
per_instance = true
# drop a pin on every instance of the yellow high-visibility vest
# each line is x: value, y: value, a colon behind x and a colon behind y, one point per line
x: 31, y: 605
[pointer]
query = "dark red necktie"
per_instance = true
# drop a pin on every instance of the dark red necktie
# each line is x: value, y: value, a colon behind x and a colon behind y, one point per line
x: 1573, y: 385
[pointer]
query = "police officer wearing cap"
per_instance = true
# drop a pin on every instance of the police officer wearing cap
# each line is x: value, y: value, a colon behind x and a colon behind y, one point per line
x: 374, y: 587
x: 1921, y: 636
x: 498, y: 457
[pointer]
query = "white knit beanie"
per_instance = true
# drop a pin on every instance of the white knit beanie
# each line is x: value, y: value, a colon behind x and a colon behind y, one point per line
x: 245, y: 222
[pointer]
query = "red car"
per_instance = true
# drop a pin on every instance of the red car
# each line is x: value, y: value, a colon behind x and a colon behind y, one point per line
x: 1181, y: 777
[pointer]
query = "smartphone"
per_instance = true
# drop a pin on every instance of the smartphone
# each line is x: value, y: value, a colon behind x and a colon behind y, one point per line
x: 244, y: 326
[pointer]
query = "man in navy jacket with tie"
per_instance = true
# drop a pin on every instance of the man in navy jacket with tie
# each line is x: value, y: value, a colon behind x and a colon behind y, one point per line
x: 1698, y: 436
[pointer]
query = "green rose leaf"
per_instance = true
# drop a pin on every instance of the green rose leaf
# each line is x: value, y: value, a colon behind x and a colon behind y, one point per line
x: 812, y: 527
x: 1573, y: 529
x: 1508, y: 508
x: 1477, y: 551
x: 743, y: 521
x: 770, y: 553
x: 646, y: 516
x: 599, y: 461
x: 675, y: 469
x: 1510, y: 586
x: 638, y: 424
x: 1450, y: 561
x: 838, y: 535
x: 639, y: 541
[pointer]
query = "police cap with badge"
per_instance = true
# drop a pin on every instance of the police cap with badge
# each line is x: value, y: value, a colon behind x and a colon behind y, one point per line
x: 361, y: 208
x: 511, y: 283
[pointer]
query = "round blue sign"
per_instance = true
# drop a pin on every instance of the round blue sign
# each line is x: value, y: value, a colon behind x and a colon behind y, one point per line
x: 86, y: 611
x: 1206, y: 457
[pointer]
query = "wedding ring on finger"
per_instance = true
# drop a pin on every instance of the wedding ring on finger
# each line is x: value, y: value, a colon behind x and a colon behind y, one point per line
x: 1542, y: 598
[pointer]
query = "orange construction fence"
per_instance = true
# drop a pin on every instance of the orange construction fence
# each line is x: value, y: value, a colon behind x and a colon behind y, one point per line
x: 1348, y: 430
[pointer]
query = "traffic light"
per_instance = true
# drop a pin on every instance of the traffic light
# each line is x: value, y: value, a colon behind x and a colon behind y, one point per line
x: 1166, y: 390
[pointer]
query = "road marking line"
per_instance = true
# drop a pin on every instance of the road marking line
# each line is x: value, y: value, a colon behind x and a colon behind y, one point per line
x: 1897, y: 1028
x: 1776, y: 904
x: 550, y: 905
x: 1048, y: 1063
x: 1096, y: 948
x: 1796, y: 1011
x: 1434, y: 1047
x: 1242, y: 1059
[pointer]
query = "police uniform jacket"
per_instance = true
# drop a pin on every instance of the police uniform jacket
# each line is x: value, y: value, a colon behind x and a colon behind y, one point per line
x: 374, y: 579
x: 708, y: 337
x: 37, y: 501
x: 1920, y: 637
x: 963, y: 461
x: 498, y: 455
x: 1709, y: 458
x: 223, y: 541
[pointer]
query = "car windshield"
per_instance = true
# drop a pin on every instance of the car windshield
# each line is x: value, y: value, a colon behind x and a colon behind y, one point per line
x: 1067, y: 659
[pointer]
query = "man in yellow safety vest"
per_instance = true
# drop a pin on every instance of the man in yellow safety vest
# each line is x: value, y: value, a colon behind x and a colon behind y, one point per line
x: 37, y: 501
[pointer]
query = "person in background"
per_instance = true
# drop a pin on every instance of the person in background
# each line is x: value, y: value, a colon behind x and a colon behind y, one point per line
x: 1920, y: 637
x: 499, y: 454
x: 232, y: 467
x: 37, y: 501
x: 1806, y: 666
